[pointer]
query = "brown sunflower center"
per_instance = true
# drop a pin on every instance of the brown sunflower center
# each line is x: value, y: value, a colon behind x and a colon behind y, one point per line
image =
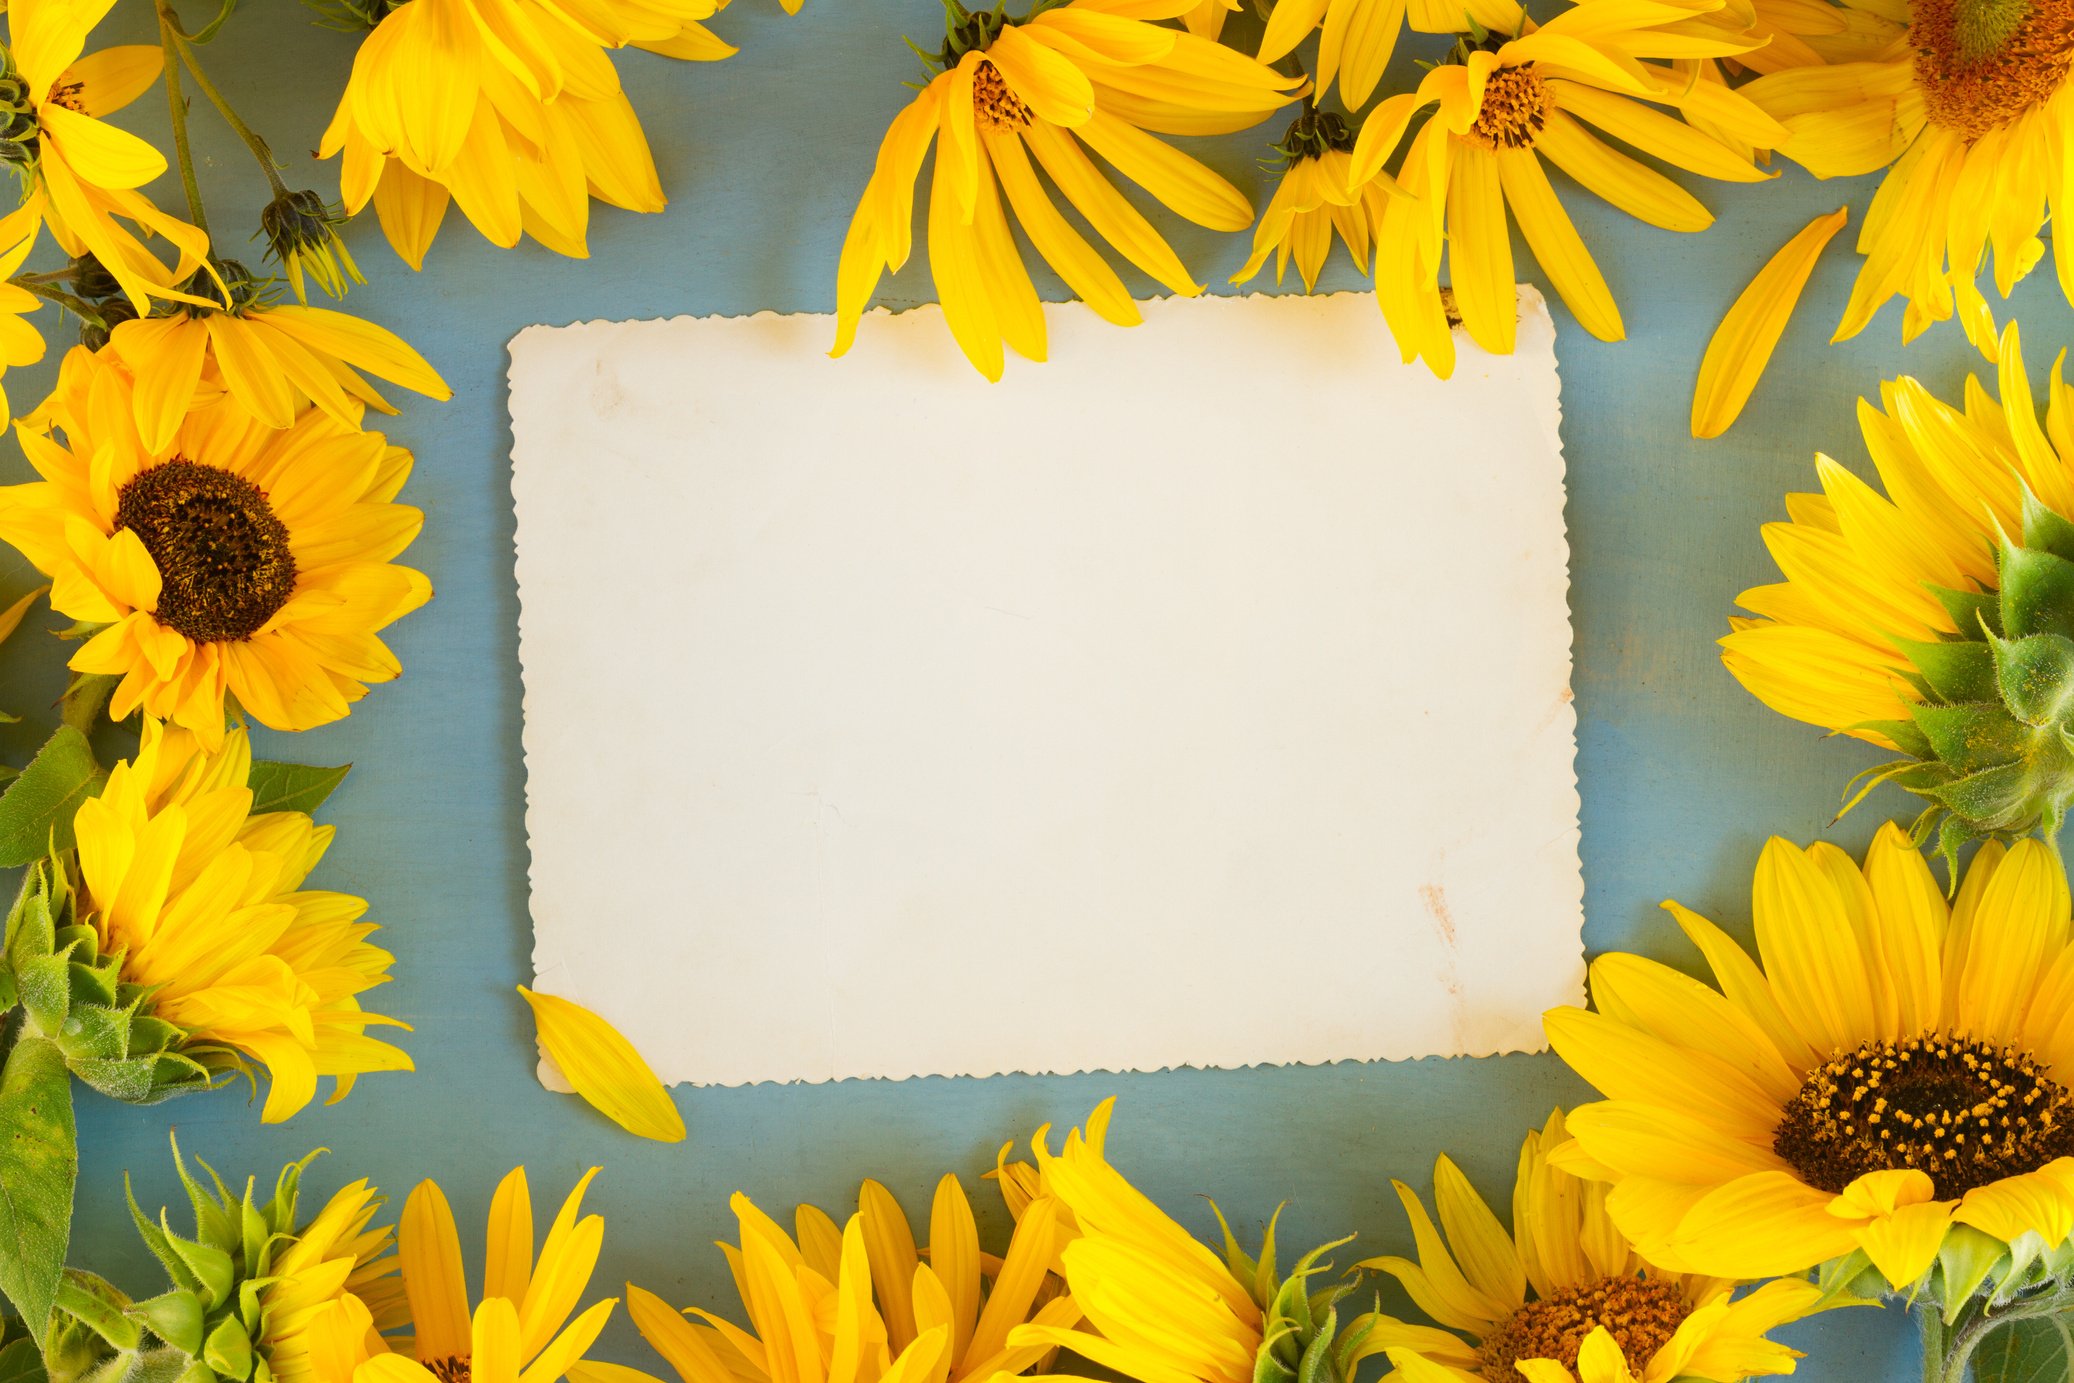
x: 1640, y: 1314
x: 993, y: 104
x: 1965, y: 1112
x: 222, y: 553
x: 451, y: 1369
x: 1515, y: 107
x: 1982, y: 63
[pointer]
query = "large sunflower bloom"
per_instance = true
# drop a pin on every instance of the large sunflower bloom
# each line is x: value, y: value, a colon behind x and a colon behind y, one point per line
x: 508, y: 107
x: 329, y: 1290
x: 516, y: 1329
x: 810, y: 1309
x: 203, y: 903
x: 272, y: 360
x: 1504, y: 105
x: 1564, y: 1298
x: 1968, y: 113
x: 1888, y: 1067
x: 85, y: 171
x: 1080, y: 74
x: 234, y: 562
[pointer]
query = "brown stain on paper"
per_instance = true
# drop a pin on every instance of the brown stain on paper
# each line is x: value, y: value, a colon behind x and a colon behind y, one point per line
x: 1435, y: 899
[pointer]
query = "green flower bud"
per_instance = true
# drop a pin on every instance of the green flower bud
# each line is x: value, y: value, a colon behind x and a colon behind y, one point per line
x: 301, y: 231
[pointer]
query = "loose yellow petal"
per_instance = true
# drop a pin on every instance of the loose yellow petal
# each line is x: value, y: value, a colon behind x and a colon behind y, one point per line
x: 1744, y: 342
x: 604, y: 1068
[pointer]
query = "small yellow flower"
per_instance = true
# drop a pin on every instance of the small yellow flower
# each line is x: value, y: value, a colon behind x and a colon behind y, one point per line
x: 1073, y: 78
x: 1887, y: 1069
x: 205, y: 907
x: 1315, y: 198
x: 1564, y: 1298
x: 85, y: 171
x: 516, y: 1330
x: 232, y: 564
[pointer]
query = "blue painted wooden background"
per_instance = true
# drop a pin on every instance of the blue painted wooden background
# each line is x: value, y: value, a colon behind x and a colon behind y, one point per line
x: 1683, y: 775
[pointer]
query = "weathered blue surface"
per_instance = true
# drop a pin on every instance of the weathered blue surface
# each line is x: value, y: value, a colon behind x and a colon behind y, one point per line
x: 1682, y: 774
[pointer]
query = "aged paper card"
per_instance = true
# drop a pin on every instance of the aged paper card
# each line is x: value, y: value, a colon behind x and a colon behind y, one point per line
x: 1200, y: 698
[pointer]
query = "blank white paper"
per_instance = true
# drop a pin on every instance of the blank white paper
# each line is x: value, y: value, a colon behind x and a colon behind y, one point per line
x: 1200, y: 698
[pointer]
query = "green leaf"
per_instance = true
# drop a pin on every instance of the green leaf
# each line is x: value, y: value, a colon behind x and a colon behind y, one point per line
x: 100, y: 1308
x: 1954, y: 671
x: 39, y: 1165
x: 278, y: 787
x: 2035, y: 674
x: 36, y: 810
x: 20, y: 1362
x: 2037, y: 592
x: 2037, y: 1350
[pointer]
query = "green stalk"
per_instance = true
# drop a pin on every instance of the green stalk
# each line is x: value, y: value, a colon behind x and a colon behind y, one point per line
x: 250, y: 136
x: 168, y: 30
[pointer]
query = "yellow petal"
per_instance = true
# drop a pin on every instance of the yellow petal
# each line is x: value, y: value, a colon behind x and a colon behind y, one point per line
x: 432, y: 1275
x: 1743, y: 343
x: 604, y: 1068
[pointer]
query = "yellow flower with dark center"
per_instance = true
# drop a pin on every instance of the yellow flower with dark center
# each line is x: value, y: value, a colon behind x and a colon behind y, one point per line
x: 233, y: 564
x: 1075, y: 78
x: 85, y: 172
x: 1564, y: 1297
x: 1888, y: 1068
x: 1967, y: 114
x: 1316, y: 198
x: 204, y: 904
x: 270, y: 360
x: 508, y: 107
x: 811, y: 1312
x: 517, y: 1327
x: 1503, y: 106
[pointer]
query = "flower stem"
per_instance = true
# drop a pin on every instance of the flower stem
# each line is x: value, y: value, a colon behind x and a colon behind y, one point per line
x: 250, y: 136
x: 1930, y: 1324
x: 168, y: 28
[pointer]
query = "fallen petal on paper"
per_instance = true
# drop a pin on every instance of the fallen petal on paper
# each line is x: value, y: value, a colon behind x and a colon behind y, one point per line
x: 1200, y: 698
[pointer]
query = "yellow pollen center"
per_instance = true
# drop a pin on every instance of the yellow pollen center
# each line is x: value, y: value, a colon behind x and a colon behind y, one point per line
x: 993, y: 104
x: 1640, y: 1314
x: 1982, y: 63
x: 70, y: 95
x: 1515, y: 107
x: 1966, y: 1113
x: 450, y: 1370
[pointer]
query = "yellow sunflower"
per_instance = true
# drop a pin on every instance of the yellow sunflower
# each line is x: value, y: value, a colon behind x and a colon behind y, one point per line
x: 1886, y: 1069
x: 85, y: 172
x: 1315, y: 198
x: 1967, y: 112
x: 1502, y: 106
x: 234, y: 564
x: 810, y: 1310
x: 1564, y: 1298
x: 673, y: 28
x: 1084, y: 76
x: 329, y: 1291
x: 1901, y: 615
x: 516, y: 1329
x: 203, y: 905
x: 272, y: 360
x: 508, y: 107
x: 1357, y: 37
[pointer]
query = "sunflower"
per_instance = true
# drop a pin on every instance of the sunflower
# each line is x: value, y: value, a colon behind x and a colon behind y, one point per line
x: 1314, y: 199
x: 1503, y: 106
x: 517, y: 1327
x: 1078, y: 74
x: 1900, y: 612
x: 673, y: 28
x: 508, y: 107
x: 1967, y: 114
x: 1357, y: 37
x: 272, y: 360
x: 1564, y: 1298
x: 261, y: 1295
x: 202, y: 905
x: 1888, y: 1069
x: 810, y: 1309
x: 235, y: 563
x: 85, y: 172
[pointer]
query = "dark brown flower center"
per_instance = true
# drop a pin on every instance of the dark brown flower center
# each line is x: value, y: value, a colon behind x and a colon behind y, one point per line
x: 1961, y: 1110
x: 1515, y: 107
x: 222, y: 554
x: 993, y: 104
x: 1639, y: 1313
x: 1983, y: 63
x: 450, y: 1370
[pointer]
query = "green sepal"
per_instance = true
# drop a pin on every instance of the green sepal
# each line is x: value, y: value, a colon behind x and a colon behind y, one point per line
x: 1964, y: 1260
x: 1993, y: 800
x: 161, y: 1248
x: 175, y: 1317
x: 1906, y: 736
x: 2037, y: 591
x: 1952, y: 670
x: 2045, y: 529
x: 2035, y: 675
x: 1266, y: 1367
x: 228, y: 1350
x: 1242, y: 1267
x: 1971, y: 611
x: 211, y: 1267
x: 94, y: 1304
x: 1317, y: 1363
x: 1970, y: 738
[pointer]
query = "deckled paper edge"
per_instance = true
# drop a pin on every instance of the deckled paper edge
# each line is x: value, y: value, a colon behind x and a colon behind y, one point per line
x: 1529, y: 298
